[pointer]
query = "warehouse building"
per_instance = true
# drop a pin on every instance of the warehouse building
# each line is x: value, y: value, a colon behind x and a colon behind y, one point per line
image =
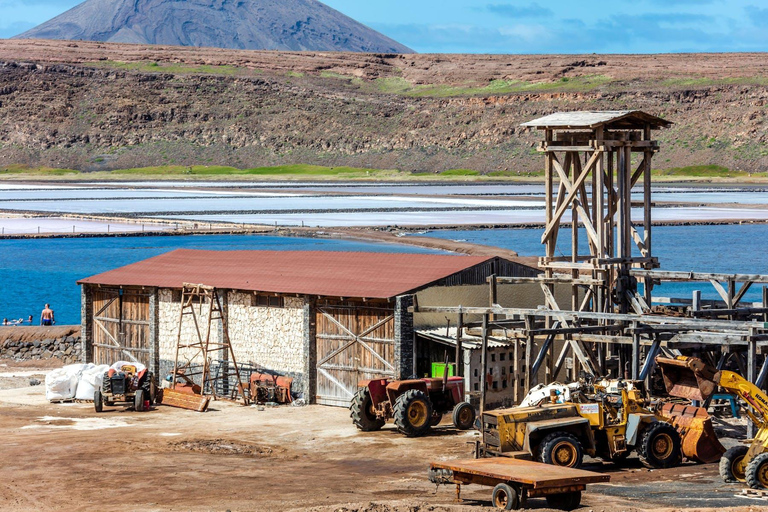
x: 326, y: 319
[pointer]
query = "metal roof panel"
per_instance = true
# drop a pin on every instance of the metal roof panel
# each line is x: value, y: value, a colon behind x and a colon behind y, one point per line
x: 323, y: 273
x: 593, y: 119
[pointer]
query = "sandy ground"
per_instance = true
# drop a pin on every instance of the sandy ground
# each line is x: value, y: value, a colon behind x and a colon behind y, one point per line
x: 66, y: 456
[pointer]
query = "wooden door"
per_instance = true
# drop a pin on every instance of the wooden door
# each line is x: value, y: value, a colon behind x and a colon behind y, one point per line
x: 353, y: 343
x: 121, y: 326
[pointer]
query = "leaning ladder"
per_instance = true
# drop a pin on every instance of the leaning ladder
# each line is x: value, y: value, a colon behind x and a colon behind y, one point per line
x: 226, y: 382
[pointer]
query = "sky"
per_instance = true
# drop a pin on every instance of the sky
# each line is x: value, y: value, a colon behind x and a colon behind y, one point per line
x: 523, y: 26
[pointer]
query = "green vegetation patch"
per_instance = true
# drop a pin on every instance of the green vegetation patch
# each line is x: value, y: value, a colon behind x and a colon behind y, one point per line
x: 460, y: 172
x: 281, y: 170
x: 43, y: 171
x: 701, y: 171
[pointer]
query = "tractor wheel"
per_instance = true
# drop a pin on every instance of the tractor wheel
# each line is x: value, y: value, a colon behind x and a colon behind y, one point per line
x: 565, y: 501
x: 463, y: 416
x: 561, y: 449
x: 413, y: 412
x: 757, y: 472
x: 138, y: 400
x: 659, y: 446
x: 361, y: 412
x: 505, y: 497
x: 98, y: 401
x: 732, y: 467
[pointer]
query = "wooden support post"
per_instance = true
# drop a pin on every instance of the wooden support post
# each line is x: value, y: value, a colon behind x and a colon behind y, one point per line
x: 635, y: 353
x: 751, y: 372
x: 493, y: 293
x: 484, y: 365
x: 530, y: 379
x: 765, y: 302
x: 516, y: 371
x: 696, y: 301
x: 459, y: 351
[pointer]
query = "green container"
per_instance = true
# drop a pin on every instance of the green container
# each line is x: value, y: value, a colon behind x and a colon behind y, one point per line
x: 438, y: 370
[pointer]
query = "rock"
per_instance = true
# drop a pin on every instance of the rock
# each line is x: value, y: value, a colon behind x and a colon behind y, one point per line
x: 34, y: 382
x: 36, y: 343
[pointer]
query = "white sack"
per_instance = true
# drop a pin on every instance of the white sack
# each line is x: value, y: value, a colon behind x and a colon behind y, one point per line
x: 90, y: 380
x: 61, y: 384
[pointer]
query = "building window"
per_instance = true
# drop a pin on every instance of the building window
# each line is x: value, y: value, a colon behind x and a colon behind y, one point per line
x: 267, y: 301
x: 511, y: 356
x: 511, y: 369
x: 493, y: 357
x: 502, y: 356
x: 495, y: 384
x: 475, y: 372
x: 477, y: 386
x: 504, y: 384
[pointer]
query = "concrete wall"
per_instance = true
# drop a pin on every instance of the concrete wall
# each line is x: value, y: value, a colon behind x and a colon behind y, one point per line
x: 511, y: 296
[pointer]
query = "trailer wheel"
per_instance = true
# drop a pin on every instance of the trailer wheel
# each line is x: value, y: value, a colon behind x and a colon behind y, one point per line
x: 660, y: 446
x: 138, y: 400
x: 362, y: 413
x: 463, y: 416
x: 505, y: 497
x: 98, y: 401
x: 757, y: 472
x: 732, y: 467
x: 561, y: 449
x: 413, y: 412
x: 565, y: 501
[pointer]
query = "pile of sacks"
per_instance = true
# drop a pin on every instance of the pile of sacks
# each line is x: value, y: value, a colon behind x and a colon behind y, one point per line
x: 74, y: 382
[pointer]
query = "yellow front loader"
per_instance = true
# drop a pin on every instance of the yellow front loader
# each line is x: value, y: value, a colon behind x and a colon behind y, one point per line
x: 692, y: 378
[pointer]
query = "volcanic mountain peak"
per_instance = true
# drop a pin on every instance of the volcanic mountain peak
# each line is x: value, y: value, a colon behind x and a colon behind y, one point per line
x: 241, y: 24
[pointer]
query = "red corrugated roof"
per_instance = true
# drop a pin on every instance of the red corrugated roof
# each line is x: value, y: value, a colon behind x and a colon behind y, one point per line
x: 325, y: 273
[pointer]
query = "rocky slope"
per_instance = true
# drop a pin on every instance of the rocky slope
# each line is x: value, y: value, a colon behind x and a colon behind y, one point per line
x: 98, y: 106
x: 242, y: 24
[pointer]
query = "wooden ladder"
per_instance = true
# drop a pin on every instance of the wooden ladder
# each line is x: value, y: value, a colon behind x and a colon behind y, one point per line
x: 225, y: 383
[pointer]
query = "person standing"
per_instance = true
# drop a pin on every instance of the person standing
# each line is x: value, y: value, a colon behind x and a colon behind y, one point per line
x: 46, y: 317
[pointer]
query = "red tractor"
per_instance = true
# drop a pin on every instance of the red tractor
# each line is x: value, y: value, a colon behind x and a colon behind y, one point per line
x: 416, y: 405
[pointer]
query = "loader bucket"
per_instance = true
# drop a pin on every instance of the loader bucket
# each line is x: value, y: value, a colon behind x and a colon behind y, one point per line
x: 688, y: 377
x: 700, y: 442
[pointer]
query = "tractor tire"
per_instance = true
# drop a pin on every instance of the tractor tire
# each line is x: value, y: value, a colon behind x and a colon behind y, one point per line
x: 98, y: 401
x: 361, y: 412
x: 561, y: 449
x: 660, y: 446
x: 138, y: 400
x: 413, y: 412
x: 505, y: 497
x: 757, y: 472
x: 463, y: 416
x: 731, y: 470
x: 565, y: 501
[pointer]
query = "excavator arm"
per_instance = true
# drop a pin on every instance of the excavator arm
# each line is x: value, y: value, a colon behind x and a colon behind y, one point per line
x: 692, y: 378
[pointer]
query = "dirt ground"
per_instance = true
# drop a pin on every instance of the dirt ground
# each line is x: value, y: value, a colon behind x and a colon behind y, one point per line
x: 67, y: 457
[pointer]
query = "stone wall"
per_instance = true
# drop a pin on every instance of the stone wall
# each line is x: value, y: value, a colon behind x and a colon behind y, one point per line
x: 271, y: 338
x: 169, y: 308
x: 39, y: 343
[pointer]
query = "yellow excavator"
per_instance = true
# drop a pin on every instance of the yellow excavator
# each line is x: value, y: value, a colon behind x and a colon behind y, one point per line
x: 692, y: 378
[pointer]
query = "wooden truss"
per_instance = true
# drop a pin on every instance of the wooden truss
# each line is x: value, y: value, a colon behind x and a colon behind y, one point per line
x: 603, y: 159
x: 223, y: 380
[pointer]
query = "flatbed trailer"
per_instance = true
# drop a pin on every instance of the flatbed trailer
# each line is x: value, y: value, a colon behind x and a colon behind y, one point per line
x: 515, y: 480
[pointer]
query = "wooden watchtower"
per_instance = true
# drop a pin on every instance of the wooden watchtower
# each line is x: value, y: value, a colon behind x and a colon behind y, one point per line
x: 593, y: 161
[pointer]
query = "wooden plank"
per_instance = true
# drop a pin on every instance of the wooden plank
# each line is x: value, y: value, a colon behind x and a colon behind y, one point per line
x: 188, y: 401
x: 670, y: 275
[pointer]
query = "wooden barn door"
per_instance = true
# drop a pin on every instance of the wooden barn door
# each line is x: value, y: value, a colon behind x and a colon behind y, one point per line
x: 120, y: 326
x: 353, y: 343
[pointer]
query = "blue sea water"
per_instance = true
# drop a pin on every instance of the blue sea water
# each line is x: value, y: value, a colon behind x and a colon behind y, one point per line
x: 38, y: 271
x: 716, y: 248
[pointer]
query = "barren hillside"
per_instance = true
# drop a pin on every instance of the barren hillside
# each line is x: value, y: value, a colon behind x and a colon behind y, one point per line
x: 100, y: 106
